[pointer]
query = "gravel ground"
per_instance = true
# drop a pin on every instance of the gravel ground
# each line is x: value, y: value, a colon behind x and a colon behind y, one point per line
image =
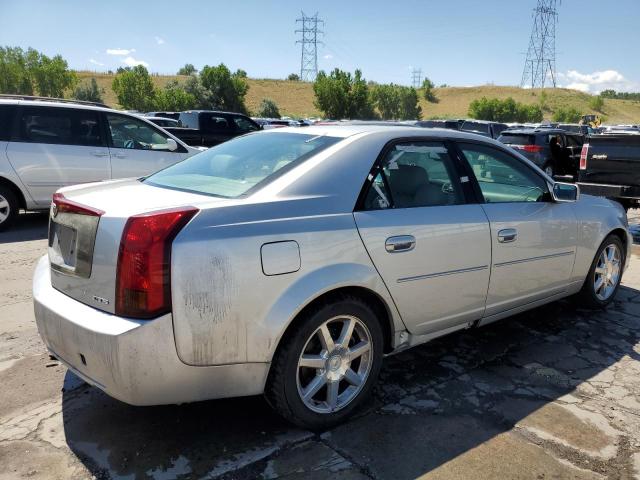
x: 553, y: 393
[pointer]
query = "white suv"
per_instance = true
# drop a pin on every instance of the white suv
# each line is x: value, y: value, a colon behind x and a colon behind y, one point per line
x: 46, y: 144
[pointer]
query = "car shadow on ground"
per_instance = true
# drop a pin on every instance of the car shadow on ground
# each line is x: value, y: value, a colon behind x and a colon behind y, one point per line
x: 28, y: 226
x: 432, y: 403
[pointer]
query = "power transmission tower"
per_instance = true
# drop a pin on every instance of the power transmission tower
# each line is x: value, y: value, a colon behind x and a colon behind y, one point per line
x: 416, y: 77
x: 309, y: 41
x: 540, y: 65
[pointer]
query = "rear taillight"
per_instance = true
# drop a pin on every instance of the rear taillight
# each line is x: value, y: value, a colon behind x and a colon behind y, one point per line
x: 529, y: 148
x: 583, y: 156
x: 143, y: 281
x: 64, y: 205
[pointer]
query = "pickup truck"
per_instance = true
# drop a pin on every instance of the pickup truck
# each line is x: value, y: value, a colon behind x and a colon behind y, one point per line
x: 610, y: 167
x: 208, y: 128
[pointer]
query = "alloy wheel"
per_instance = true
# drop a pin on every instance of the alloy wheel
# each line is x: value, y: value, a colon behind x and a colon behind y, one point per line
x: 335, y: 363
x: 5, y: 209
x: 607, y: 272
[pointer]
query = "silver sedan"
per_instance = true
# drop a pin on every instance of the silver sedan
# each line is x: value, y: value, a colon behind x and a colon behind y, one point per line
x: 290, y: 262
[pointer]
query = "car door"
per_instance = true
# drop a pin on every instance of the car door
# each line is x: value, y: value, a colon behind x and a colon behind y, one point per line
x: 533, y: 238
x: 55, y: 147
x: 138, y: 148
x: 431, y: 247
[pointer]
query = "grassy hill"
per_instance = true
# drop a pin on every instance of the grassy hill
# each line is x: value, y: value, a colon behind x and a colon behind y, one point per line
x: 296, y: 98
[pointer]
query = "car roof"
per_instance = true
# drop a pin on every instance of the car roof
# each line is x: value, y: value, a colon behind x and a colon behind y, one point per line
x: 532, y: 131
x: 390, y: 131
x: 213, y: 111
x: 53, y: 103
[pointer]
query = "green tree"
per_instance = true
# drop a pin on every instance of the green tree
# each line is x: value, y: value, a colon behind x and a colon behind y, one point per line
x: 387, y: 101
x: 32, y: 72
x: 188, y: 69
x: 596, y: 103
x: 89, y: 92
x: 427, y: 87
x: 222, y: 89
x: 241, y: 73
x: 543, y: 101
x: 341, y: 95
x: 409, y: 105
x: 294, y: 77
x: 567, y: 115
x: 174, y: 98
x: 134, y: 89
x: 507, y: 110
x: 268, y: 109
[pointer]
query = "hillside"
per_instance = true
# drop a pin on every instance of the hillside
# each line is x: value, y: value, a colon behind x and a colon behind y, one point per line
x: 296, y: 98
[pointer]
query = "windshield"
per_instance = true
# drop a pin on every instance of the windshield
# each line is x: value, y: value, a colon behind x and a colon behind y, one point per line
x: 235, y: 167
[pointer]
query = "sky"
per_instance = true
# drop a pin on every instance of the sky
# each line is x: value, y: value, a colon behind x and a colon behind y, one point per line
x: 454, y: 42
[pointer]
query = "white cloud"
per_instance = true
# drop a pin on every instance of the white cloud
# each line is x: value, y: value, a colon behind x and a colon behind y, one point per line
x: 328, y: 56
x: 132, y: 62
x: 159, y: 40
x: 120, y: 51
x: 597, y: 81
x: 95, y: 62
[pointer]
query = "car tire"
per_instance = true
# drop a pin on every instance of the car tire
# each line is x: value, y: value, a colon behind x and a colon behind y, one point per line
x: 9, y: 207
x: 604, y: 277
x: 326, y: 386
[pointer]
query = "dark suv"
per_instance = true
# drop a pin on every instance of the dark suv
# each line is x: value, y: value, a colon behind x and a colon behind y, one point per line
x: 554, y: 150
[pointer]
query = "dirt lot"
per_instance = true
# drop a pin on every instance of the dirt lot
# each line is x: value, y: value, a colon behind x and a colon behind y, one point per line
x: 554, y: 393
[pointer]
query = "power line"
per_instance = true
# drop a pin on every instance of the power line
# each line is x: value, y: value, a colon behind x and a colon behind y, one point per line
x: 416, y: 77
x: 309, y: 42
x: 540, y: 64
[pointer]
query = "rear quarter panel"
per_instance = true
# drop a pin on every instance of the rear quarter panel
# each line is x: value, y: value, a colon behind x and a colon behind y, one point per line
x: 226, y: 310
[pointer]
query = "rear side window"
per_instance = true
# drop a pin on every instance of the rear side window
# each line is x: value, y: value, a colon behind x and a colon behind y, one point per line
x: 61, y: 126
x: 214, y: 123
x: 417, y: 174
x: 7, y: 113
x: 517, y: 139
x: 476, y: 127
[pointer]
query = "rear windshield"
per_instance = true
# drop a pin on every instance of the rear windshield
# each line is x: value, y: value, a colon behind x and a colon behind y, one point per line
x: 235, y: 167
x: 475, y: 127
x: 515, y: 139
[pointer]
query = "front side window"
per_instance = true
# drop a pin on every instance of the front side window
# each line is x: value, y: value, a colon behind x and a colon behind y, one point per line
x: 233, y: 168
x: 244, y: 125
x: 214, y: 123
x: 131, y: 133
x: 503, y: 178
x: 416, y: 174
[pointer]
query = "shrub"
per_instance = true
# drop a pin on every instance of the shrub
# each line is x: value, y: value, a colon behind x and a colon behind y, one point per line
x: 268, y: 109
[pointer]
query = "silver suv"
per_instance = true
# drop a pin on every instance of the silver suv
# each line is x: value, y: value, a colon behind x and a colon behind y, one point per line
x: 47, y: 144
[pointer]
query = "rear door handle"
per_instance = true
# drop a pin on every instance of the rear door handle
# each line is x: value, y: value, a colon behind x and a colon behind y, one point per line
x: 99, y: 153
x: 119, y: 155
x: 401, y: 243
x: 507, y: 235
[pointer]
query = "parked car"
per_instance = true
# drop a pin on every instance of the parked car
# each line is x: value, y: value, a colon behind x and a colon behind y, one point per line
x: 208, y: 127
x: 249, y: 269
x: 610, y: 167
x: 554, y: 150
x: 50, y: 143
x: 173, y: 115
x: 576, y: 128
x: 164, y: 122
x: 484, y: 128
x: 450, y: 124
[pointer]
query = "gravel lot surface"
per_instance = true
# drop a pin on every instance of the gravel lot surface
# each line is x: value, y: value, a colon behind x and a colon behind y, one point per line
x: 553, y: 393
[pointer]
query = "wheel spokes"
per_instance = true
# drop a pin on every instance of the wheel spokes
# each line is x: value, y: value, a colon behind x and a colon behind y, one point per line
x: 314, y: 386
x: 600, y: 281
x: 312, y: 361
x: 359, y: 349
x: 326, y: 338
x: 347, y: 332
x: 332, y: 394
x: 352, y: 377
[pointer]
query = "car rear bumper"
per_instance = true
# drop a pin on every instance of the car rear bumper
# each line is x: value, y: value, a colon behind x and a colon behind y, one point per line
x: 134, y: 361
x: 610, y: 191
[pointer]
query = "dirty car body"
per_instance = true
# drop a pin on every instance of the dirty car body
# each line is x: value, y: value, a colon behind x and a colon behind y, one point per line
x: 431, y: 230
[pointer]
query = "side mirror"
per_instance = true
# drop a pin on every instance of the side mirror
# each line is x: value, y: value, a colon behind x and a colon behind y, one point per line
x: 565, y: 192
x: 172, y: 145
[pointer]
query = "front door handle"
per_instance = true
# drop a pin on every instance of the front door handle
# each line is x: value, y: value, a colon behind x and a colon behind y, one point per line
x: 507, y: 235
x: 99, y: 153
x: 401, y: 243
x: 119, y: 155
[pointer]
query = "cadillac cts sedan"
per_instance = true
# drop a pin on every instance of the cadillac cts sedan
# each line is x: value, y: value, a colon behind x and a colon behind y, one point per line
x: 290, y: 262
